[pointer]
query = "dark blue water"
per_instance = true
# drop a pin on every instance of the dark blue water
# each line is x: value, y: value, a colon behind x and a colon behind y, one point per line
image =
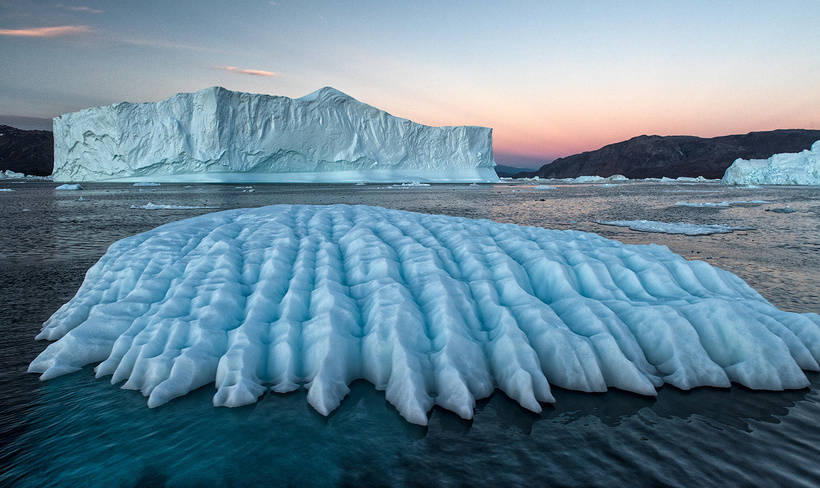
x: 78, y: 431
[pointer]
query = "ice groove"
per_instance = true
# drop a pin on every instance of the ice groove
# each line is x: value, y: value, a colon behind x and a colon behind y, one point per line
x: 434, y: 310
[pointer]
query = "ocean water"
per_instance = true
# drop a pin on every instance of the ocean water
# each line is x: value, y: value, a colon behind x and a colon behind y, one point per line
x: 77, y: 430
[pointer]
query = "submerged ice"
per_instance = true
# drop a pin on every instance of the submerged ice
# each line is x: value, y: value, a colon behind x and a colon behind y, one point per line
x: 684, y: 228
x: 434, y: 310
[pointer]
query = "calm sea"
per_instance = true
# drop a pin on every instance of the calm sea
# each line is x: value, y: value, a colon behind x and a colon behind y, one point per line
x: 80, y: 431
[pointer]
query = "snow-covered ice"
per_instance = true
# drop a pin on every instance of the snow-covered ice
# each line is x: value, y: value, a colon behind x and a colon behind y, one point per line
x: 157, y: 206
x: 69, y: 187
x: 673, y: 227
x: 410, y: 184
x: 218, y: 136
x: 13, y: 175
x: 434, y: 310
x: 801, y: 168
x: 721, y: 204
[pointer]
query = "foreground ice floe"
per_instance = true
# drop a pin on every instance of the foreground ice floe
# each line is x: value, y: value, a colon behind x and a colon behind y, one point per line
x: 435, y: 310
x: 673, y: 227
x: 801, y: 168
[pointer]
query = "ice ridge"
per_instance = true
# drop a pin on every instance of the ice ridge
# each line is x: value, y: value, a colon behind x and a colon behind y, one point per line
x: 217, y: 135
x: 434, y: 310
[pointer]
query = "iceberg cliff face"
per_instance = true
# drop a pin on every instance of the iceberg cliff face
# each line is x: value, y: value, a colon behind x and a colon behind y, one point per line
x: 434, y: 310
x: 801, y: 168
x: 217, y: 135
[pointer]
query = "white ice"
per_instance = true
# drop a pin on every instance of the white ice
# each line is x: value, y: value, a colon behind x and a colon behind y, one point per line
x: 410, y: 184
x: 434, y: 310
x: 69, y: 187
x: 156, y: 206
x: 219, y: 136
x: 6, y: 189
x: 673, y: 227
x: 720, y: 204
x: 801, y: 168
x: 12, y: 175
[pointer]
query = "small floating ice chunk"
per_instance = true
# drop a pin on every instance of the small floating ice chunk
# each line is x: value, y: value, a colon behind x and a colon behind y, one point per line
x: 410, y: 184
x: 6, y: 189
x: 67, y: 186
x: 145, y: 183
x: 13, y: 175
x: 155, y: 206
x: 720, y: 204
x: 786, y: 210
x: 434, y: 310
x: 674, y: 227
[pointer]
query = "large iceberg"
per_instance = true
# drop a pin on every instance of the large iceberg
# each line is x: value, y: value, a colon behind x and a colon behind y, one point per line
x: 216, y: 135
x: 801, y: 168
x: 434, y: 310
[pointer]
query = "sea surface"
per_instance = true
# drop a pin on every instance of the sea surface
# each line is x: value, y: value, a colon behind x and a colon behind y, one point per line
x: 80, y: 431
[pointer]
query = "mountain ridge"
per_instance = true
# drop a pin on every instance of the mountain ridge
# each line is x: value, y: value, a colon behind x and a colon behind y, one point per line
x: 654, y: 156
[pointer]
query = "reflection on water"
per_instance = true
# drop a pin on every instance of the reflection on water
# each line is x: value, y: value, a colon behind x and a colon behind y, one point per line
x: 77, y: 430
x: 82, y: 430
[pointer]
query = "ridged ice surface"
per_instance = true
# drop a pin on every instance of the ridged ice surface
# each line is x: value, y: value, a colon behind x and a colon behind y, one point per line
x: 434, y: 310
x: 802, y: 168
x: 217, y: 135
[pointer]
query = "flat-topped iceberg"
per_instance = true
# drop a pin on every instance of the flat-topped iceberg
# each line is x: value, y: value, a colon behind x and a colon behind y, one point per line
x: 216, y: 135
x: 434, y: 310
x: 801, y: 168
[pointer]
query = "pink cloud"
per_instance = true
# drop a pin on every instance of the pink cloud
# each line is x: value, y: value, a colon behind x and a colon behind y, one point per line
x: 56, y: 31
x: 82, y: 8
x: 254, y: 72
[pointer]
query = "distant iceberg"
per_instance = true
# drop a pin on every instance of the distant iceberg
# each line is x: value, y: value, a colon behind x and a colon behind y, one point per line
x: 801, y: 168
x: 434, y: 310
x: 12, y: 175
x: 216, y: 135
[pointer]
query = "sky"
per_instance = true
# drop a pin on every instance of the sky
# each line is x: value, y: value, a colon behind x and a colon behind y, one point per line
x: 550, y: 78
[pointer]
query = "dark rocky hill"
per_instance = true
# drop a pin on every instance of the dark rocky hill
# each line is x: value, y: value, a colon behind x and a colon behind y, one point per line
x: 674, y: 156
x: 503, y: 170
x: 26, y: 151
